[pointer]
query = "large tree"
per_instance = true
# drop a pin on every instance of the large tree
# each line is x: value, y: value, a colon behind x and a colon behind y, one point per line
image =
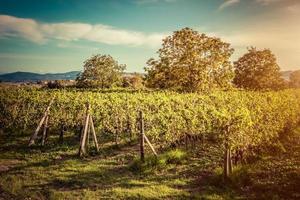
x: 258, y: 70
x: 100, y: 71
x: 190, y: 61
x: 295, y: 79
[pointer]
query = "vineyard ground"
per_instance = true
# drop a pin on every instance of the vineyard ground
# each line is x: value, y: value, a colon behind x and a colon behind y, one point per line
x: 55, y: 172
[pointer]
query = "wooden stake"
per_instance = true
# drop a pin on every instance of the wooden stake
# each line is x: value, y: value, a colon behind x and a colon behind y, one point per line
x: 94, y: 134
x: 87, y: 144
x: 45, y: 130
x: 82, y: 149
x: 229, y: 161
x: 152, y: 148
x: 34, y: 135
x: 142, y: 136
x: 226, y: 164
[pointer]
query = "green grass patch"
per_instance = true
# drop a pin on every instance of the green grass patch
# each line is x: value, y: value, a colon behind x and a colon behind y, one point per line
x: 176, y: 156
x: 56, y: 172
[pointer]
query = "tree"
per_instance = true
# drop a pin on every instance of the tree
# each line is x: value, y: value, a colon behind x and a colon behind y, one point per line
x: 100, y: 71
x: 258, y: 70
x: 134, y: 81
x: 189, y: 61
x: 295, y: 79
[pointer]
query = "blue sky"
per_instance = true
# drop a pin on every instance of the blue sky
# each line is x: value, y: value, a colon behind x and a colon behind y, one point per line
x: 58, y: 35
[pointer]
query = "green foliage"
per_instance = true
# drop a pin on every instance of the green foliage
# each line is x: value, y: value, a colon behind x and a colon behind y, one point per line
x: 190, y: 61
x: 258, y: 70
x: 100, y: 71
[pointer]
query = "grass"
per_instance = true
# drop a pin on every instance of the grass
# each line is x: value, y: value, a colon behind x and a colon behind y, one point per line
x: 164, y: 160
x: 55, y: 172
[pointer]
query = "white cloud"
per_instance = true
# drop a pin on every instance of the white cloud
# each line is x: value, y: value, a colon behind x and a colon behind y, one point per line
x: 41, y: 32
x: 228, y: 3
x: 65, y: 31
x: 26, y: 28
x: 267, y: 2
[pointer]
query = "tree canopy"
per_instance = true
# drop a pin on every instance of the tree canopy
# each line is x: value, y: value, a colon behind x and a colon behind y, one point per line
x: 258, y: 70
x: 190, y: 61
x: 101, y: 71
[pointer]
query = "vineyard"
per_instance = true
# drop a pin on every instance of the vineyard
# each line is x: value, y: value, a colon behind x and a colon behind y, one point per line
x: 240, y: 119
x: 242, y: 122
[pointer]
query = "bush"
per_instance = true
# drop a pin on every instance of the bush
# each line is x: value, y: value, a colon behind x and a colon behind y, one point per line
x: 174, y: 156
x: 57, y: 84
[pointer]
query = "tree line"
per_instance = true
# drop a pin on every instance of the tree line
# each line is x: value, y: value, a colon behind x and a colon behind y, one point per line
x: 189, y: 61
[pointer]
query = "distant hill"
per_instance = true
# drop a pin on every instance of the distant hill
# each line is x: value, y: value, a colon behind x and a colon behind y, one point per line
x: 32, y: 77
x: 28, y: 76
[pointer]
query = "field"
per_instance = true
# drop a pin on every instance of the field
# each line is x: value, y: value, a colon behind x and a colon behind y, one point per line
x: 190, y: 132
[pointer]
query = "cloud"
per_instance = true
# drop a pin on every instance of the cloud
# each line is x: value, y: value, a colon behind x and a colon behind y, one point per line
x: 228, y: 3
x: 42, y: 32
x: 25, y: 28
x: 293, y: 9
x: 65, y: 31
x: 267, y: 2
x: 278, y: 31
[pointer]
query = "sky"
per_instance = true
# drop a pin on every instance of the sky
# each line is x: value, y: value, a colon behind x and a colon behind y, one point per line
x: 52, y: 36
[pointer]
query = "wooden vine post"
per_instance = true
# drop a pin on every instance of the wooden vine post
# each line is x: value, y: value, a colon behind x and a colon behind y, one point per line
x: 230, y: 161
x: 142, y: 141
x: 227, y: 162
x: 43, y: 121
x: 45, y: 130
x: 143, y: 137
x: 88, y: 128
